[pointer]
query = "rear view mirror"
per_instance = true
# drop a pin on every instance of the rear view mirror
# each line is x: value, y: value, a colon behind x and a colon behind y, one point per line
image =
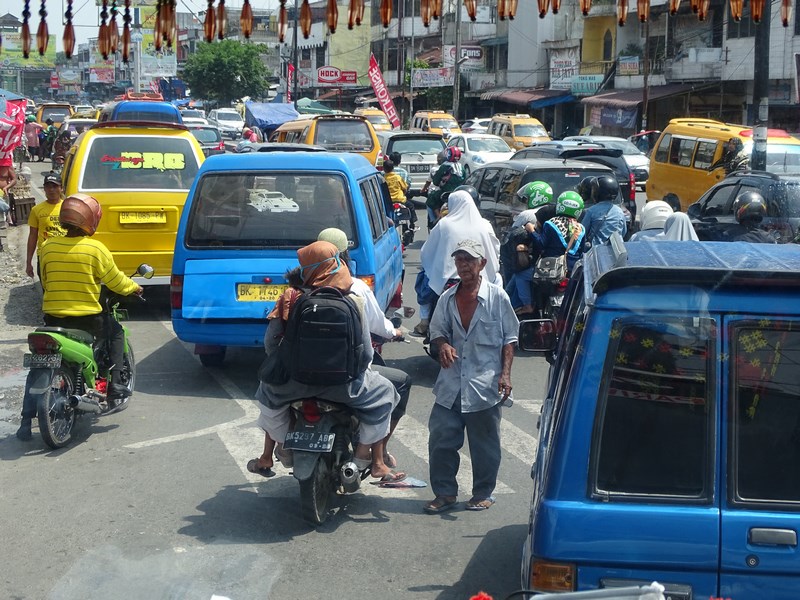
x: 145, y: 271
x: 538, y: 335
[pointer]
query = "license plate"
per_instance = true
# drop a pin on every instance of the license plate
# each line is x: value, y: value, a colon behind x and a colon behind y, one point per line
x: 128, y: 218
x: 309, y: 441
x: 556, y: 300
x: 418, y: 168
x: 259, y: 292
x: 36, y: 361
x: 404, y: 222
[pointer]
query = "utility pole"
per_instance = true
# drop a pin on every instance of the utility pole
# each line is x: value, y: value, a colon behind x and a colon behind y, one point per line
x: 296, y: 74
x: 457, y: 61
x: 411, y: 70
x: 760, y: 108
x: 646, y: 73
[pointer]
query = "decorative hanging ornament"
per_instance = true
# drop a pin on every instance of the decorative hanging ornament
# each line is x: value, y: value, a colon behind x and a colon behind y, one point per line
x: 695, y: 5
x: 501, y: 10
x: 757, y: 10
x: 425, y: 12
x: 305, y: 19
x: 25, y: 33
x: 42, y: 35
x: 222, y: 20
x: 332, y: 15
x: 643, y: 10
x: 113, y: 29
x: 436, y: 9
x: 282, y: 22
x: 360, y: 13
x: 586, y: 5
x: 472, y: 9
x: 786, y: 12
x: 68, y: 40
x: 126, y: 32
x: 386, y: 12
x: 103, y: 35
x: 622, y: 12
x: 511, y: 8
x: 210, y: 24
x: 556, y: 4
x: 158, y: 29
x: 544, y: 6
x: 673, y: 6
x: 246, y: 20
x: 702, y: 11
x: 736, y: 10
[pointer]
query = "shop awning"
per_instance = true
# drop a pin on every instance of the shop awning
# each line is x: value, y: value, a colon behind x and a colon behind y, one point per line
x: 632, y: 98
x: 531, y: 98
x: 496, y: 41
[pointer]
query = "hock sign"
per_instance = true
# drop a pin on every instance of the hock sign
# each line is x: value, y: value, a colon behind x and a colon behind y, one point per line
x: 334, y: 76
x: 381, y: 93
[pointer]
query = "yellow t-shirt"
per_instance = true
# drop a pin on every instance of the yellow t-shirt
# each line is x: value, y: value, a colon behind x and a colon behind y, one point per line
x: 397, y: 187
x: 44, y: 217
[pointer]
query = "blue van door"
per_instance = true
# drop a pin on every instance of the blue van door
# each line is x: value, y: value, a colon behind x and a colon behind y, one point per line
x: 761, y: 511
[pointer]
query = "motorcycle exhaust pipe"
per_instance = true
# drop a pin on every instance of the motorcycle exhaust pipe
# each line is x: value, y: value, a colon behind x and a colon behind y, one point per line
x: 351, y: 477
x: 85, y: 404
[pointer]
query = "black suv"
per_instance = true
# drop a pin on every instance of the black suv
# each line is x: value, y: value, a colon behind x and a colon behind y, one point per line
x: 497, y: 184
x: 712, y: 214
x: 596, y: 153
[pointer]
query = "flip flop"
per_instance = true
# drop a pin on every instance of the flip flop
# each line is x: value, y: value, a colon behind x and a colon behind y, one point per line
x: 252, y: 467
x: 390, y: 461
x: 477, y: 505
x: 392, y: 477
x: 439, y: 504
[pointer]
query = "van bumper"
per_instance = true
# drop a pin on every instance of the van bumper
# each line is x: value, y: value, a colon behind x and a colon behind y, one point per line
x: 247, y: 334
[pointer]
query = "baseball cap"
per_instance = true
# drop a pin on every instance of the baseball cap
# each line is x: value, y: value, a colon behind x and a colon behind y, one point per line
x: 52, y: 178
x: 471, y: 247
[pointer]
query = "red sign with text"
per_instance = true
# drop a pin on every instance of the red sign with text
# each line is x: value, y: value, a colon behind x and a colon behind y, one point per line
x: 335, y: 76
x: 381, y: 92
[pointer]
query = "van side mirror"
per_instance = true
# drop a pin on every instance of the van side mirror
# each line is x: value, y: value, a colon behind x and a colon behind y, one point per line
x: 538, y: 335
x: 424, y: 128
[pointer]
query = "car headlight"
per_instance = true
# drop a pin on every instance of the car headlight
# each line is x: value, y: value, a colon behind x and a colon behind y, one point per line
x: 478, y: 160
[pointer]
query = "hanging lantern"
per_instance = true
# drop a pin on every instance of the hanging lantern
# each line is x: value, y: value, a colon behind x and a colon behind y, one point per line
x: 68, y: 40
x: 736, y: 10
x: 425, y: 12
x: 511, y: 8
x: 695, y: 5
x: 673, y: 7
x: 332, y: 15
x: 25, y: 33
x: 556, y: 6
x: 126, y: 32
x: 544, y: 6
x: 360, y: 13
x: 352, y: 9
x: 472, y: 8
x: 42, y: 35
x: 246, y: 20
x: 222, y: 20
x: 643, y: 10
x: 305, y: 19
x: 112, y: 28
x: 622, y: 12
x: 586, y: 5
x: 702, y: 11
x: 103, y: 35
x: 786, y: 12
x: 501, y: 10
x: 172, y: 32
x: 756, y: 10
x: 282, y: 21
x: 210, y: 24
x: 436, y: 9
x: 386, y: 12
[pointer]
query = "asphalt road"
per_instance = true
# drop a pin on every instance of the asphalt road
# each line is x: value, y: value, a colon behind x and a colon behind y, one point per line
x: 156, y: 502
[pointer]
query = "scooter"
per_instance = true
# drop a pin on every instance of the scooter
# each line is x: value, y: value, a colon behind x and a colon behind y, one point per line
x: 404, y: 223
x: 69, y: 372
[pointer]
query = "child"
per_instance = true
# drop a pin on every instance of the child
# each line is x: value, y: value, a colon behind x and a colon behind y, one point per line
x: 397, y: 186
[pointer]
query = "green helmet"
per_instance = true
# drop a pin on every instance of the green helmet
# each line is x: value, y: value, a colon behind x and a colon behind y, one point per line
x: 536, y: 194
x: 30, y: 118
x: 569, y: 204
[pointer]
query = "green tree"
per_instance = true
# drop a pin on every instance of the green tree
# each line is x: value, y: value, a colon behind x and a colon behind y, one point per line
x: 226, y: 71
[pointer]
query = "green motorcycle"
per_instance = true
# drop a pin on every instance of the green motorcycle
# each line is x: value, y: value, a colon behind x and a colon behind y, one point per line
x: 69, y: 372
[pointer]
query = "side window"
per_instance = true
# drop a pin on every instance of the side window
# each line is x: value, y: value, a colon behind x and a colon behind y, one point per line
x: 489, y: 184
x: 705, y: 155
x: 509, y: 184
x: 368, y: 195
x: 719, y: 202
x: 766, y: 413
x: 663, y: 148
x: 681, y: 151
x: 657, y: 389
x: 474, y: 179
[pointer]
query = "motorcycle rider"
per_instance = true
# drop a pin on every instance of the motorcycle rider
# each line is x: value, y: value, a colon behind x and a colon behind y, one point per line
x: 73, y: 267
x: 605, y: 216
x: 563, y: 233
x: 749, y: 209
x: 654, y: 215
x: 60, y: 148
x: 447, y: 177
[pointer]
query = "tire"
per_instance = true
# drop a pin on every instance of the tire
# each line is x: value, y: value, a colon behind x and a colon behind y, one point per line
x: 56, y: 418
x: 215, y: 359
x: 315, y: 493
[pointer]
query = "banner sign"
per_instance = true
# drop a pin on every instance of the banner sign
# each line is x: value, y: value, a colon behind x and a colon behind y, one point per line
x: 433, y: 77
x: 157, y: 63
x: 11, y: 56
x: 618, y: 117
x: 289, y: 83
x: 334, y: 76
x: 473, y: 54
x: 628, y: 65
x: 381, y: 93
x: 563, y: 67
x: 586, y: 85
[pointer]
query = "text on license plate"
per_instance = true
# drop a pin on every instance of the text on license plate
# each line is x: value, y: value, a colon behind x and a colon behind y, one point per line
x: 126, y: 218
x: 259, y: 292
x: 309, y: 441
x: 418, y: 168
x: 33, y: 361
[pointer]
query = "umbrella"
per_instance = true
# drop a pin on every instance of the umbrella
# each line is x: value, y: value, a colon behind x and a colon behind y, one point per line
x: 8, y: 95
x: 309, y: 106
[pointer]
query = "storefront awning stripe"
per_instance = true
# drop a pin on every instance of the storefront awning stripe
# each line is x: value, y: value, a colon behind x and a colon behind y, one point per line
x: 632, y: 98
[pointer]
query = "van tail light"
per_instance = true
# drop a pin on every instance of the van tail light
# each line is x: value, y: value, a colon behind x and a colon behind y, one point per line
x: 369, y: 280
x: 42, y: 343
x: 632, y: 181
x: 552, y: 576
x: 176, y: 292
x: 221, y: 146
x: 397, y: 299
x: 311, y: 411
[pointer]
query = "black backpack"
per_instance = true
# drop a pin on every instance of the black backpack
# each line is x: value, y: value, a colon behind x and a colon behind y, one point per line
x: 508, y: 250
x: 322, y: 342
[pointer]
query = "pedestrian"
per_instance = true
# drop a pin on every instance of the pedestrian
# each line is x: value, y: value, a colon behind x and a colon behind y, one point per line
x: 476, y: 330
x: 32, y: 129
x: 43, y: 221
x: 12, y: 124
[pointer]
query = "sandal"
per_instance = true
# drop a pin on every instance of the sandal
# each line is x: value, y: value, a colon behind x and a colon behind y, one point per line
x: 285, y: 456
x: 483, y: 504
x: 252, y: 467
x: 440, y: 504
x: 390, y: 461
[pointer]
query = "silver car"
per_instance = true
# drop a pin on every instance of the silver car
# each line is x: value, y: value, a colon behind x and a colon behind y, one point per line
x: 228, y: 121
x: 637, y: 160
x: 417, y: 150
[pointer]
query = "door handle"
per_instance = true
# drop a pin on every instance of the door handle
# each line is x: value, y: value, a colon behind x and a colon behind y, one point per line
x: 767, y: 536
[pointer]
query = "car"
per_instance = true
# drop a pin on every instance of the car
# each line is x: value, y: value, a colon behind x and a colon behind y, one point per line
x: 58, y: 112
x: 247, y: 147
x: 151, y: 111
x: 375, y: 116
x: 209, y: 137
x: 477, y: 125
x: 713, y: 214
x: 73, y: 124
x: 196, y: 121
x: 229, y: 122
x: 498, y: 183
x: 193, y: 113
x: 246, y: 216
x: 434, y: 121
x: 667, y: 441
x: 478, y: 149
x: 518, y: 130
x: 418, y: 151
x: 638, y: 161
x: 611, y: 157
x: 79, y: 108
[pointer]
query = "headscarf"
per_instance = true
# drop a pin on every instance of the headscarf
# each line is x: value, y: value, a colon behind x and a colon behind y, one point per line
x: 319, y: 267
x: 679, y: 228
x: 463, y: 221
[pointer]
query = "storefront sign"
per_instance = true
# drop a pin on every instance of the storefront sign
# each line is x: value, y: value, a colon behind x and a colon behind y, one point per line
x: 433, y: 77
x: 473, y: 55
x: 381, y: 93
x: 628, y: 65
x: 334, y: 76
x: 586, y: 85
x: 563, y: 68
x: 618, y: 117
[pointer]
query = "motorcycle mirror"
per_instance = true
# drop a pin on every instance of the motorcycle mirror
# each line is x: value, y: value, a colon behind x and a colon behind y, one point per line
x: 145, y: 271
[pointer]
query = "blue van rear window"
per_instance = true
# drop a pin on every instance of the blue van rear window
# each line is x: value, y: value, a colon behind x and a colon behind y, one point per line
x: 269, y: 209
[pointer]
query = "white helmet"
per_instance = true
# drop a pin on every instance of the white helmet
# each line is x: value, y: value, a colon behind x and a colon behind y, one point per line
x: 655, y: 214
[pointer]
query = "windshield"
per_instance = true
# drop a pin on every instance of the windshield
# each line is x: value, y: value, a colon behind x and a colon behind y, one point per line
x: 418, y: 145
x: 57, y: 113
x: 206, y: 135
x: 529, y: 131
x: 444, y: 124
x: 561, y: 180
x: 378, y: 120
x: 344, y: 135
x: 194, y: 113
x: 625, y: 146
x: 229, y: 116
x: 487, y: 145
x: 268, y: 209
x: 788, y: 194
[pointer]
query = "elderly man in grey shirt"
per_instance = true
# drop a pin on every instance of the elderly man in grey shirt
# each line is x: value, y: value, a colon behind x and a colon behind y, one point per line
x: 475, y: 329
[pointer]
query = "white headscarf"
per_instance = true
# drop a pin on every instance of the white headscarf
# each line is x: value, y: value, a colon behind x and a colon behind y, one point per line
x: 679, y: 228
x: 463, y: 221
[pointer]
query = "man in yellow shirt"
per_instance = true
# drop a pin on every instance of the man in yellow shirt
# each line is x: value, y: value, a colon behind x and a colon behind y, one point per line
x: 43, y: 220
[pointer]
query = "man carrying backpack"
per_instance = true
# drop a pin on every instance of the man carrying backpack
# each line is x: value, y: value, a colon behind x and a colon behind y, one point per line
x: 336, y: 370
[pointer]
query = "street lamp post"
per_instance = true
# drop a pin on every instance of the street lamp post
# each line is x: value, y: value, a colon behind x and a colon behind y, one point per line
x: 457, y: 62
x: 296, y: 72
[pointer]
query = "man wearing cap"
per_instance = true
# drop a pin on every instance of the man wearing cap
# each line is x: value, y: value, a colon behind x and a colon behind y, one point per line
x: 475, y: 329
x: 43, y: 220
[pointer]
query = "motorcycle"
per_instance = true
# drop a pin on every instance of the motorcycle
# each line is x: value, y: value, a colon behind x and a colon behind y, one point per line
x: 69, y: 373
x: 404, y: 223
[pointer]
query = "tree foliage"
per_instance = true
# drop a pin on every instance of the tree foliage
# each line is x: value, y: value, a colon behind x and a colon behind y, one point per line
x: 226, y: 71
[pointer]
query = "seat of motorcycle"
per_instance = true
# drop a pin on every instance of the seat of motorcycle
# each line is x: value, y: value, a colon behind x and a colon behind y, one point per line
x: 73, y: 334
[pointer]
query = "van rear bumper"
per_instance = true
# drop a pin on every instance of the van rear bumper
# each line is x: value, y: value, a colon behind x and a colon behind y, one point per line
x: 229, y: 332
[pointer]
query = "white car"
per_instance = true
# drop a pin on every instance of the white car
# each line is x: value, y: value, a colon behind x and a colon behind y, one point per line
x: 229, y: 122
x: 194, y: 121
x: 477, y: 125
x: 638, y: 162
x: 478, y: 149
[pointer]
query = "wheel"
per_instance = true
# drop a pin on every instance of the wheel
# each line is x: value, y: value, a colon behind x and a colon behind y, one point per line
x: 214, y: 359
x: 315, y: 493
x: 55, y: 416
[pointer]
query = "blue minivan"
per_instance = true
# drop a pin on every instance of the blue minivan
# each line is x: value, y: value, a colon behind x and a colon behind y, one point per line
x: 141, y: 110
x: 244, y: 219
x: 669, y: 439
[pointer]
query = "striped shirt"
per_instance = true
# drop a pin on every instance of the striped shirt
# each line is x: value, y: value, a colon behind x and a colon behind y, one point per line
x: 72, y: 269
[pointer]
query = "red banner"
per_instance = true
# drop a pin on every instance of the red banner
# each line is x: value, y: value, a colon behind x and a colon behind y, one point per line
x: 289, y: 82
x: 381, y: 93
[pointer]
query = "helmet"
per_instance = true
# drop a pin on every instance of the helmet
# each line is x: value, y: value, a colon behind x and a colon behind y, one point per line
x: 535, y: 194
x: 30, y: 119
x: 584, y: 188
x: 452, y: 154
x: 49, y: 121
x: 749, y: 207
x: 569, y: 204
x: 654, y: 214
x: 81, y: 211
x: 471, y: 191
x: 247, y: 131
x: 605, y: 189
